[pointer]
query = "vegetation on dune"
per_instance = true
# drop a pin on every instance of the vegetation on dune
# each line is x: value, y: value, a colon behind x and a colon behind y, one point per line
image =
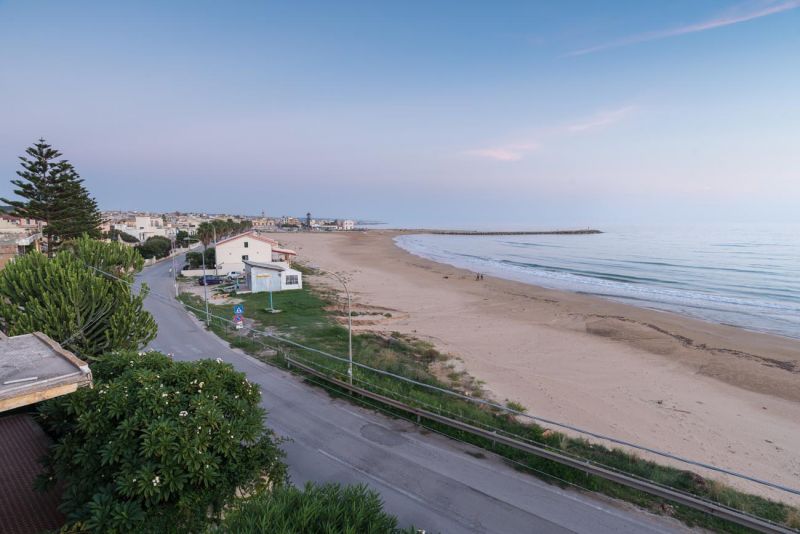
x: 85, y: 310
x: 308, y: 316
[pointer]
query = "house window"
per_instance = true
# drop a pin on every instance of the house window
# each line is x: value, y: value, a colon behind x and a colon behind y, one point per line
x: 291, y: 280
x: 245, y: 257
x: 246, y: 244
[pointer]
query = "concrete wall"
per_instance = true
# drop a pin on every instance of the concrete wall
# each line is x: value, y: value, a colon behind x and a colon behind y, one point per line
x: 197, y: 272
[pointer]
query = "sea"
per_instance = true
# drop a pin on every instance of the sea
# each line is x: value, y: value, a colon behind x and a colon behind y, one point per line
x: 746, y: 276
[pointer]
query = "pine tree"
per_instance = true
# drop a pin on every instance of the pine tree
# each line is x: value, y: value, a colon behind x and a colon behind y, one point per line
x: 53, y: 192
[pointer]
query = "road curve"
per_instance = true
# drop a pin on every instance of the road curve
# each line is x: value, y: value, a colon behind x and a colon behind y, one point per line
x: 425, y: 479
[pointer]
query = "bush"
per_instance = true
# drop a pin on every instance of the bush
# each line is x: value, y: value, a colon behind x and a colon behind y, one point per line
x: 157, y: 445
x: 195, y: 259
x: 182, y: 238
x: 315, y: 509
x: 155, y: 247
x: 118, y: 235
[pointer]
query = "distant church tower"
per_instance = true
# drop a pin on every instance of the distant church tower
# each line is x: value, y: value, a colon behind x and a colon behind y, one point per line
x: 308, y: 220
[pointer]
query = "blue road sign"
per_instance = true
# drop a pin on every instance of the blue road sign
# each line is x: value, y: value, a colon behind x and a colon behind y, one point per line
x: 238, y: 309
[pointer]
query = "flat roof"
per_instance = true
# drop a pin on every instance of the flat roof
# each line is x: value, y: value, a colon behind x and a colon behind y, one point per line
x: 274, y: 266
x: 34, y: 368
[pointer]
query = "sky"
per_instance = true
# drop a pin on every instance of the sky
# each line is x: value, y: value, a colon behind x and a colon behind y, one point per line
x: 449, y: 113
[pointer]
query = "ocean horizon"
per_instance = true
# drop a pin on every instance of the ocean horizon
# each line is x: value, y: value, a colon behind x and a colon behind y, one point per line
x: 740, y: 275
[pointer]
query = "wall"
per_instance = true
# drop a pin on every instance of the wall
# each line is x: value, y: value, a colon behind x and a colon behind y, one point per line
x: 229, y: 253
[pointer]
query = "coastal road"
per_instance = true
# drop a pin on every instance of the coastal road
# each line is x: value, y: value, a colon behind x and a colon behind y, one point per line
x: 426, y: 480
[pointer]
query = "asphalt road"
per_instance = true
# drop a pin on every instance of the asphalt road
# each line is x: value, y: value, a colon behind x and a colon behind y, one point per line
x: 425, y: 479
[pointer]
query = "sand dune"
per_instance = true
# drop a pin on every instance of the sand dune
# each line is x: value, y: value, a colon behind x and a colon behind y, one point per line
x: 709, y: 392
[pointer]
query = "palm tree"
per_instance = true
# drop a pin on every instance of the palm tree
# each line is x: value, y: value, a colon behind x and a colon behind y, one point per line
x: 205, y: 233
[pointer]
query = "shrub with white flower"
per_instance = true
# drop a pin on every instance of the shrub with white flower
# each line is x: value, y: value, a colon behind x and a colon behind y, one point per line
x: 149, y: 457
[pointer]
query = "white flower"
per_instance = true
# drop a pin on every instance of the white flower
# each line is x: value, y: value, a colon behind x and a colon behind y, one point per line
x: 219, y: 360
x: 164, y: 394
x: 183, y: 413
x: 200, y: 385
x: 156, y: 481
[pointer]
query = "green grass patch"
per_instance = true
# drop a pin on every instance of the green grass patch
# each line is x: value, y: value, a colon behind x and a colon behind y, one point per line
x: 309, y: 317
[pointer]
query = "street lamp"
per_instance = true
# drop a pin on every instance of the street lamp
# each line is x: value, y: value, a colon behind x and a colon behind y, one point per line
x: 349, y: 324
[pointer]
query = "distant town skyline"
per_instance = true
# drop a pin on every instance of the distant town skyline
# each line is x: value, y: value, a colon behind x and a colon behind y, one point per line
x: 417, y: 114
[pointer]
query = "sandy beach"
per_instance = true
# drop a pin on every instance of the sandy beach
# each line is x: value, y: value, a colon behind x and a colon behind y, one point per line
x: 712, y: 393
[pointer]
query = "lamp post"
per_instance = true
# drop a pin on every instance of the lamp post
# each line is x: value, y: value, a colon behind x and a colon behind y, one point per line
x: 349, y: 324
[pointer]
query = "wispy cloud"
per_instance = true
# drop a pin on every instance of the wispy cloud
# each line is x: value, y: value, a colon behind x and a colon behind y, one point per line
x: 600, y: 119
x: 518, y: 150
x: 742, y: 13
x: 513, y: 152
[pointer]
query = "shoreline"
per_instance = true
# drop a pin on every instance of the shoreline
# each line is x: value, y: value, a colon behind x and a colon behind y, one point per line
x: 714, y: 393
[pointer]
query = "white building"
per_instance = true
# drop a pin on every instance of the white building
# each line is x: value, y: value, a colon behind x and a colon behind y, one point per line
x: 145, y: 227
x: 277, y: 276
x: 249, y: 246
x: 346, y: 224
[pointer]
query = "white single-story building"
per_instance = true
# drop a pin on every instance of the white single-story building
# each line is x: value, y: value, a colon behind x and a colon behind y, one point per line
x: 275, y: 276
x: 249, y: 246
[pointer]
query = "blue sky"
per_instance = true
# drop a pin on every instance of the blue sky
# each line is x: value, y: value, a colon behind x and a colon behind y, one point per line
x: 417, y: 113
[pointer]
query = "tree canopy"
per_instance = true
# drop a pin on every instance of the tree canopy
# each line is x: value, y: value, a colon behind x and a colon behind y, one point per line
x: 68, y: 298
x: 222, y: 228
x: 182, y: 238
x: 50, y: 190
x: 155, y: 247
x: 158, y: 445
x: 195, y: 259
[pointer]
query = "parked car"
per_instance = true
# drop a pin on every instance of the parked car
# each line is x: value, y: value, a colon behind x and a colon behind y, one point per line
x: 235, y: 275
x: 210, y: 280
